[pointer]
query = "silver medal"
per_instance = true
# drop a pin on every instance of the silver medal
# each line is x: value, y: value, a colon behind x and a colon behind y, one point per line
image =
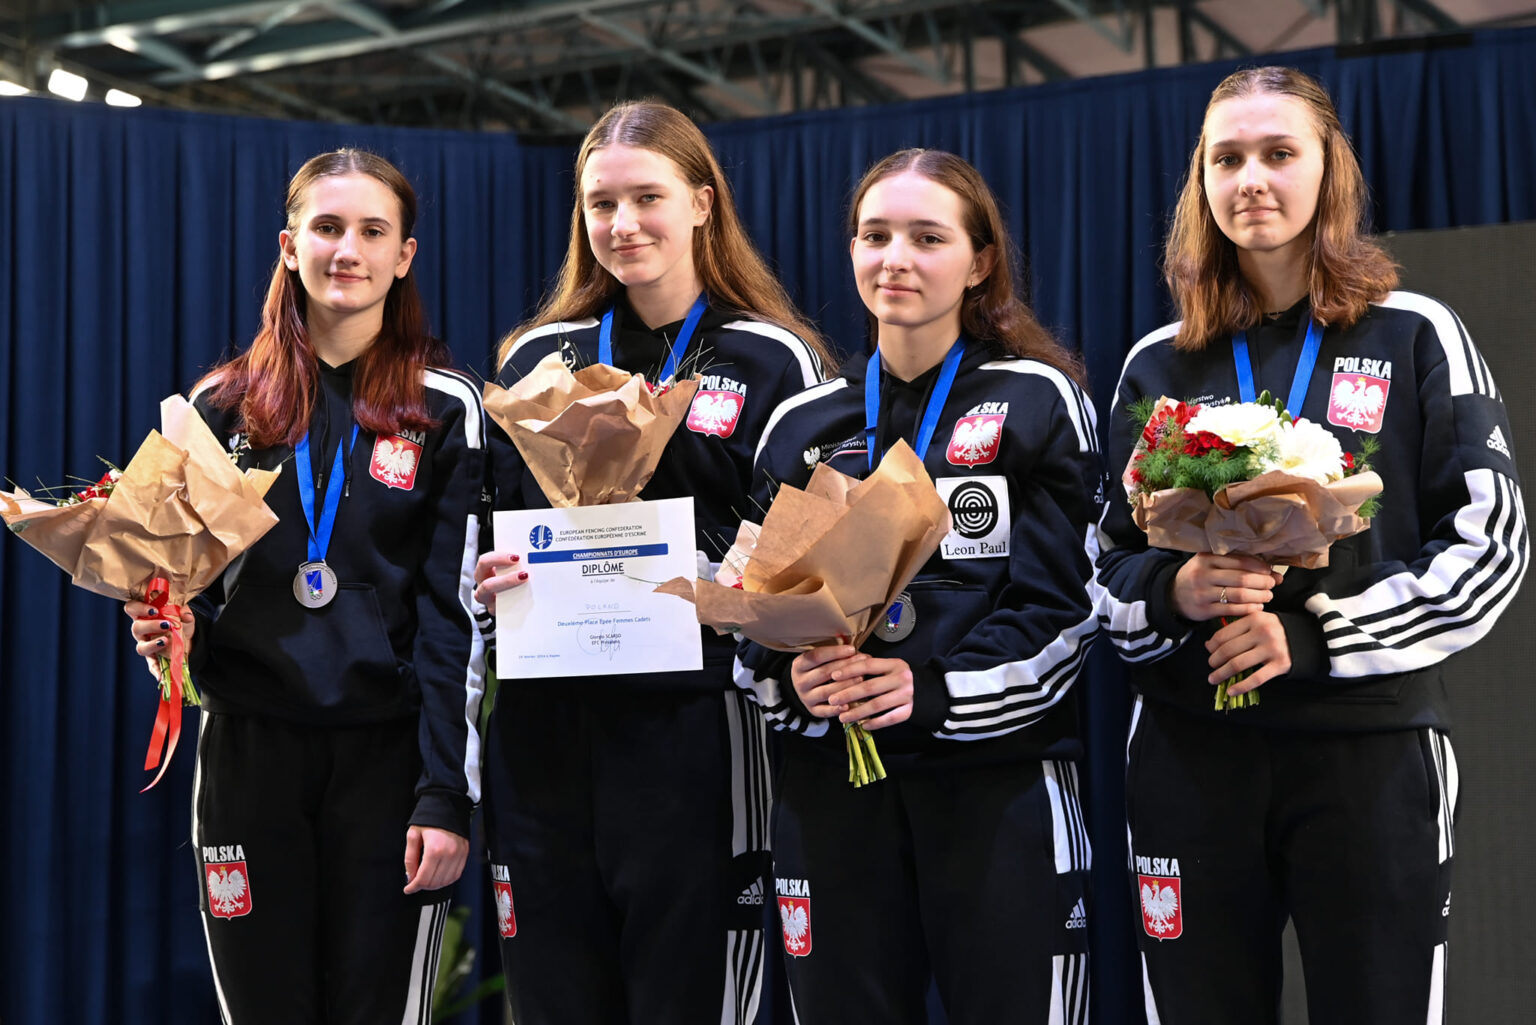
x: 899, y: 620
x: 314, y: 585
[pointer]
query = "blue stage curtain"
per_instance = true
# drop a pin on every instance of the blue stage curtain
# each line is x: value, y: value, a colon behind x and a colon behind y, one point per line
x: 135, y: 247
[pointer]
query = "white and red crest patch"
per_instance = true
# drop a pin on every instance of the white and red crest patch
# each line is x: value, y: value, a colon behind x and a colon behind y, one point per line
x: 1162, y: 907
x: 795, y: 917
x: 715, y: 412
x: 1358, y: 401
x: 394, y: 462
x: 229, y: 888
x: 506, y: 916
x: 976, y: 439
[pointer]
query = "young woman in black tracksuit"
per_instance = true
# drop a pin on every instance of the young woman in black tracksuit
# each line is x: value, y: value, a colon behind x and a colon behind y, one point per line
x: 1332, y: 801
x: 337, y: 761
x: 969, y: 863
x: 627, y: 815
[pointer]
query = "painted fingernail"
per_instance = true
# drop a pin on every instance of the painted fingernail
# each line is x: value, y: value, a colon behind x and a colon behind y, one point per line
x: 514, y: 559
x: 165, y: 626
x: 523, y: 575
x: 160, y: 642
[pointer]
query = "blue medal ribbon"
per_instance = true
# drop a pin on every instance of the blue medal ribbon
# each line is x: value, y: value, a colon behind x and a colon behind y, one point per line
x: 680, y: 346
x: 1305, y: 364
x: 320, y: 530
x: 935, y: 407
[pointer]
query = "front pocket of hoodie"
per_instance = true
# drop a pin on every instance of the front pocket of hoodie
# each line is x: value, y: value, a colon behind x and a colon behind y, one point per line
x: 945, y: 612
x: 271, y: 649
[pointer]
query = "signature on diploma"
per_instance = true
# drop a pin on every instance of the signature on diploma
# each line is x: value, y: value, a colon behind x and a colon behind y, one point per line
x: 600, y: 636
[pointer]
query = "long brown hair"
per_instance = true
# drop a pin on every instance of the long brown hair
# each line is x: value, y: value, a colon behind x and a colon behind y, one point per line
x: 274, y: 382
x: 991, y: 311
x: 1347, y: 269
x: 734, y: 274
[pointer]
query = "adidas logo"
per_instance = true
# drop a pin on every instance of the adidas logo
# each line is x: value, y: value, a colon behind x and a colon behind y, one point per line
x: 1078, y: 919
x: 1498, y: 444
x: 752, y: 894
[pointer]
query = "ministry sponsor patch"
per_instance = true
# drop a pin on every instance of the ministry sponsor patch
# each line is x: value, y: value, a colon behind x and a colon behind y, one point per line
x: 980, y: 520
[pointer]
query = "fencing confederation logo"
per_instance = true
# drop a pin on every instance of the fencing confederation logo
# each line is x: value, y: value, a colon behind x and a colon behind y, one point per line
x: 541, y: 537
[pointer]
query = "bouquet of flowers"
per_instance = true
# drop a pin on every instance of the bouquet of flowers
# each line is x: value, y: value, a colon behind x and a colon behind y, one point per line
x: 824, y: 567
x: 160, y: 531
x: 591, y: 437
x: 1246, y: 479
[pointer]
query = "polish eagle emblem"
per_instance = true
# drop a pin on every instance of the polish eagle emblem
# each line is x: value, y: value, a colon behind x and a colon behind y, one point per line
x: 1160, y: 907
x: 505, y: 919
x: 975, y: 440
x: 795, y: 915
x: 394, y: 462
x: 1357, y: 401
x: 228, y: 891
x: 714, y: 412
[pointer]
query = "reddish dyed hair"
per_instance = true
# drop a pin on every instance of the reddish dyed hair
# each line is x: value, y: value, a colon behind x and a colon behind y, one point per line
x: 991, y: 311
x: 1347, y: 269
x: 275, y: 381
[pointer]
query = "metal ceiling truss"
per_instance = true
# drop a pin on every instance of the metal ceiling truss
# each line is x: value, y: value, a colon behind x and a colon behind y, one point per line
x: 551, y: 66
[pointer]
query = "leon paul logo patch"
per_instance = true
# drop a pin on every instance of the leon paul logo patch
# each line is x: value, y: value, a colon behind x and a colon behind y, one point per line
x: 980, y: 520
x: 395, y: 460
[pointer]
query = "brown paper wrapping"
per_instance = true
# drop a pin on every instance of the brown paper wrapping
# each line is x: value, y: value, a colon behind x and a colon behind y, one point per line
x: 829, y: 559
x: 1280, y: 518
x: 182, y: 511
x: 590, y: 438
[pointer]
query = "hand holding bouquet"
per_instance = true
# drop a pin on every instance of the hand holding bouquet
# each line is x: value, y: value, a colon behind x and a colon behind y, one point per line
x: 160, y: 531
x: 825, y: 566
x: 1245, y: 479
x: 592, y: 437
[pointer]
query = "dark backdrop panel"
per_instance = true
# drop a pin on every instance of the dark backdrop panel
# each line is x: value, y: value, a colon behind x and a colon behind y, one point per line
x: 135, y: 247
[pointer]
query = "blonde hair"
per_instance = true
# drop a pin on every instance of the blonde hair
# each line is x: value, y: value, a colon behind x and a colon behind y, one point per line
x: 734, y: 274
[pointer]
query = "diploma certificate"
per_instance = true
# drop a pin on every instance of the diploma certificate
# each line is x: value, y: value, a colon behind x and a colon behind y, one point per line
x: 588, y: 607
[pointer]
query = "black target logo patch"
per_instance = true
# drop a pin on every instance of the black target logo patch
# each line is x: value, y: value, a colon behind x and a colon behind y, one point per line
x: 980, y: 523
x: 973, y: 508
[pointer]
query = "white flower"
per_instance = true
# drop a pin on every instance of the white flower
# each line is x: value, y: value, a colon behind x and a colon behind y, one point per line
x: 1308, y: 450
x: 1245, y: 424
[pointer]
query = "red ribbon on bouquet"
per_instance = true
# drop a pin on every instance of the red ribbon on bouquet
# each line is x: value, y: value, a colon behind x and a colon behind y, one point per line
x: 168, y: 720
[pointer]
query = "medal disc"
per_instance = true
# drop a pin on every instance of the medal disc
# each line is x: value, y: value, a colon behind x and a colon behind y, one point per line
x: 900, y: 619
x: 314, y: 585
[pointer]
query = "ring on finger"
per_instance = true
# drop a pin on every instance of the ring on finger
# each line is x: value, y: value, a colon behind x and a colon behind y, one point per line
x: 1223, y: 598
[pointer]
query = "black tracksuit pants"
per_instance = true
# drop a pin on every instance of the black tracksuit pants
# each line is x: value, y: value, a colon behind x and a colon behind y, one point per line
x: 975, y: 878
x: 299, y: 833
x: 628, y: 834
x: 1234, y: 828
